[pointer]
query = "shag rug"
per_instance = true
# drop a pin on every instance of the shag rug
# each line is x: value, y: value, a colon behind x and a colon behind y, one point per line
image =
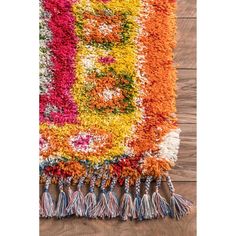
x: 107, y: 108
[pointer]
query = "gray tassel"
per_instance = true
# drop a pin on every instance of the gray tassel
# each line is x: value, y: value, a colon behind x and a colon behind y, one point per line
x: 146, y: 203
x: 137, y: 201
x: 47, y: 205
x: 126, y: 204
x: 77, y: 204
x: 69, y: 195
x: 112, y: 201
x: 90, y: 199
x: 179, y: 206
x: 101, y: 210
x: 61, y: 202
x: 160, y: 206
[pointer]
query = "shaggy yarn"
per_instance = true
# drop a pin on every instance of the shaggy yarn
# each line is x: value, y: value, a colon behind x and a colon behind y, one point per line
x: 107, y: 105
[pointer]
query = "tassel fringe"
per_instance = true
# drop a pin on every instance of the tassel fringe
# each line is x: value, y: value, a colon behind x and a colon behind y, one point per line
x: 90, y: 200
x: 112, y: 201
x: 69, y: 196
x: 77, y: 202
x: 47, y: 205
x: 160, y: 206
x: 137, y: 201
x: 144, y: 206
x: 102, y: 210
x: 126, y: 205
x: 61, y: 202
x: 179, y: 206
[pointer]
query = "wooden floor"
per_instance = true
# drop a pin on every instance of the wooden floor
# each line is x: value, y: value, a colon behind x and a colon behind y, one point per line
x: 184, y: 174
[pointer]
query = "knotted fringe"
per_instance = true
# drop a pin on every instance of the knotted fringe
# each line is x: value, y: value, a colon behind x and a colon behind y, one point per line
x: 102, y: 210
x: 126, y: 205
x: 179, y: 206
x: 146, y: 204
x: 47, y: 205
x: 160, y: 206
x: 90, y: 199
x: 61, y: 202
x: 77, y: 203
x: 145, y: 207
x: 112, y: 201
x: 137, y: 201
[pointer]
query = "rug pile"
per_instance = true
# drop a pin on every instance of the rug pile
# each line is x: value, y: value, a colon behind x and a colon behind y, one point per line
x: 107, y: 108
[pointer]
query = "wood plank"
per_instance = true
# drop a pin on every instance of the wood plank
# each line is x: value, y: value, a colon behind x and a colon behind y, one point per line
x: 185, y: 52
x: 186, y: 96
x: 167, y: 227
x: 186, y: 8
x: 185, y: 169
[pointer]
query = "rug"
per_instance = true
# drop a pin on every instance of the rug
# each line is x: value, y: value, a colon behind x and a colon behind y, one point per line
x: 107, y: 108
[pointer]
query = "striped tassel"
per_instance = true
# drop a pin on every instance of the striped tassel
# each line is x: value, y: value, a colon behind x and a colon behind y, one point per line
x: 77, y: 203
x: 160, y: 206
x: 61, y: 202
x: 179, y: 206
x: 101, y: 210
x: 137, y: 201
x: 90, y: 199
x: 112, y: 201
x: 47, y: 205
x: 126, y: 205
x: 146, y: 204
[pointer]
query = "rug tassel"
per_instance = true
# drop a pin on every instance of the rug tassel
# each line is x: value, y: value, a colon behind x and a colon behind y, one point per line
x: 179, y: 206
x: 61, y: 202
x: 146, y: 204
x: 126, y: 205
x: 77, y: 203
x: 101, y: 210
x: 112, y: 201
x: 69, y: 195
x: 160, y: 206
x: 90, y: 199
x: 47, y: 205
x: 40, y: 209
x: 137, y: 201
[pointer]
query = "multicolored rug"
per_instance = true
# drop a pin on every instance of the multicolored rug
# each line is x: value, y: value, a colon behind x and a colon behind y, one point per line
x: 107, y: 108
